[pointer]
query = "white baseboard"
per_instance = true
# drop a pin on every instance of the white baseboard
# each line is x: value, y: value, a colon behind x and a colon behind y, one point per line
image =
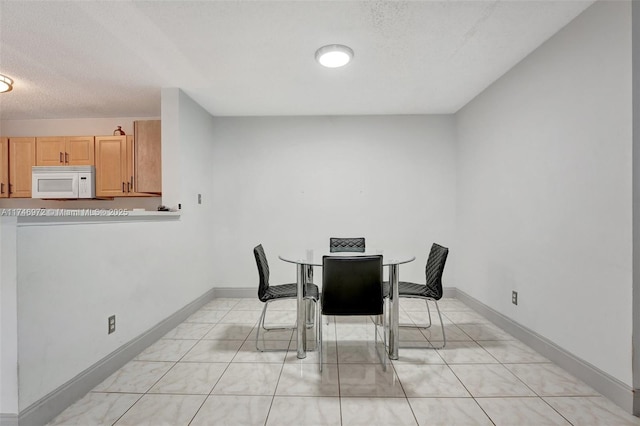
x: 47, y: 408
x: 8, y: 419
x: 608, y: 386
x: 242, y: 292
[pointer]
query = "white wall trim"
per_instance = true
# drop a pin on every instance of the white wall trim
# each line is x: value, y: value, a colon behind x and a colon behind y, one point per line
x: 8, y: 419
x: 608, y: 386
x: 242, y: 292
x: 48, y: 407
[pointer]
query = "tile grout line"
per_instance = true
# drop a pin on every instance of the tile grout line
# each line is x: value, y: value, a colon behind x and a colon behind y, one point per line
x: 165, y: 373
x: 222, y: 374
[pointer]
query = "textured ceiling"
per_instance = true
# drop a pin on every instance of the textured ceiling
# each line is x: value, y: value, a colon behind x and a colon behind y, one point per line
x: 110, y: 59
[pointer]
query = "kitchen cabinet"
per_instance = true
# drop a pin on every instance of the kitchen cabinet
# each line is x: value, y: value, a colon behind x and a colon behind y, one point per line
x: 129, y: 166
x: 22, y: 156
x: 147, y: 160
x: 4, y: 167
x: 112, y: 171
x: 65, y: 151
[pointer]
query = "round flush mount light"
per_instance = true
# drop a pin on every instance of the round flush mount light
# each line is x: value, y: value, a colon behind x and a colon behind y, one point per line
x: 6, y: 84
x: 334, y: 55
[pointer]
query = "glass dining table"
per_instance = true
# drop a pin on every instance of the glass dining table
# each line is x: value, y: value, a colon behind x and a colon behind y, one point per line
x: 305, y: 260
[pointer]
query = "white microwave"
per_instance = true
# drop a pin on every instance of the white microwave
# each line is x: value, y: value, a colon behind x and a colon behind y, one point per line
x: 63, y: 182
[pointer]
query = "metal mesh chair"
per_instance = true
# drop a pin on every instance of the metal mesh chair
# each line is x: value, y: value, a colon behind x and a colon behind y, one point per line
x: 432, y: 290
x: 346, y: 244
x: 269, y: 293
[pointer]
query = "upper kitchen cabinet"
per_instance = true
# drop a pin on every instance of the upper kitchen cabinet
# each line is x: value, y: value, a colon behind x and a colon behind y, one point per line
x: 147, y: 160
x: 22, y: 156
x: 4, y: 167
x: 65, y: 151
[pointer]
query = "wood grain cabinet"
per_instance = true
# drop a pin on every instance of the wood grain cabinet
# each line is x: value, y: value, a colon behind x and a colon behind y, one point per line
x: 22, y: 156
x: 112, y: 171
x: 129, y: 166
x: 147, y: 160
x: 4, y: 167
x: 65, y: 151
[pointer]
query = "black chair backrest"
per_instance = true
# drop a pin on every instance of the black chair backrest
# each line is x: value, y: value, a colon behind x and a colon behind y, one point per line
x: 346, y: 244
x: 352, y: 285
x: 263, y: 271
x: 435, y: 268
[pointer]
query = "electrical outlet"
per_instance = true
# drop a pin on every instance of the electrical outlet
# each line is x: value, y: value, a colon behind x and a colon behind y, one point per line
x: 514, y: 297
x: 112, y: 324
x: 199, y: 198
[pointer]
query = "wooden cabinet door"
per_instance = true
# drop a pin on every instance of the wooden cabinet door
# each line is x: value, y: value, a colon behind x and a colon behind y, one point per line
x: 50, y: 151
x: 147, y: 156
x: 111, y: 166
x: 79, y: 151
x: 4, y: 167
x: 130, y: 166
x: 22, y: 156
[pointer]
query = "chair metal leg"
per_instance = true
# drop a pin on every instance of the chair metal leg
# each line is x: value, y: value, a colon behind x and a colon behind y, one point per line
x: 383, y: 356
x: 444, y: 338
x: 320, y: 338
x: 263, y: 327
x: 314, y: 320
x: 426, y: 302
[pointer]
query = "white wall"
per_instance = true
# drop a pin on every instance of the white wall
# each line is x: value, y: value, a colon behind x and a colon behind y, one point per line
x: 71, y: 278
x: 544, y: 190
x: 293, y: 182
x: 8, y: 318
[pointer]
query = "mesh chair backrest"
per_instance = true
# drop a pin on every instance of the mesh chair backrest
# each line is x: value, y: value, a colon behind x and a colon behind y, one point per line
x: 263, y: 271
x: 346, y: 244
x: 352, y: 285
x: 435, y: 268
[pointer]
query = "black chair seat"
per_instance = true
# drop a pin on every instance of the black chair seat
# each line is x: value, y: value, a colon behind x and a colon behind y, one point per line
x: 409, y: 289
x: 281, y: 291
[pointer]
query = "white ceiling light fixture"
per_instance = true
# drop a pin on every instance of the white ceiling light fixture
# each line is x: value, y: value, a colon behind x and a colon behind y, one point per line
x: 6, y: 84
x: 334, y: 55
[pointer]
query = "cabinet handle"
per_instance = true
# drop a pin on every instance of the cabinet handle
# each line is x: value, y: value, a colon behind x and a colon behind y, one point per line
x: 66, y: 157
x: 10, y: 188
x: 123, y: 187
x: 1, y: 187
x: 131, y: 181
x: 128, y: 187
x: 61, y: 158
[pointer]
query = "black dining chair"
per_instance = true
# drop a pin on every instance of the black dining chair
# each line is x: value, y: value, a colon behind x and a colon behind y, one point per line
x: 352, y: 286
x: 269, y: 293
x: 432, y: 290
x: 346, y: 245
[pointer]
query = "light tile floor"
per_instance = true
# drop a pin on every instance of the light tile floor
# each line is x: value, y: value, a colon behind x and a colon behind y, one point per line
x: 207, y: 372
